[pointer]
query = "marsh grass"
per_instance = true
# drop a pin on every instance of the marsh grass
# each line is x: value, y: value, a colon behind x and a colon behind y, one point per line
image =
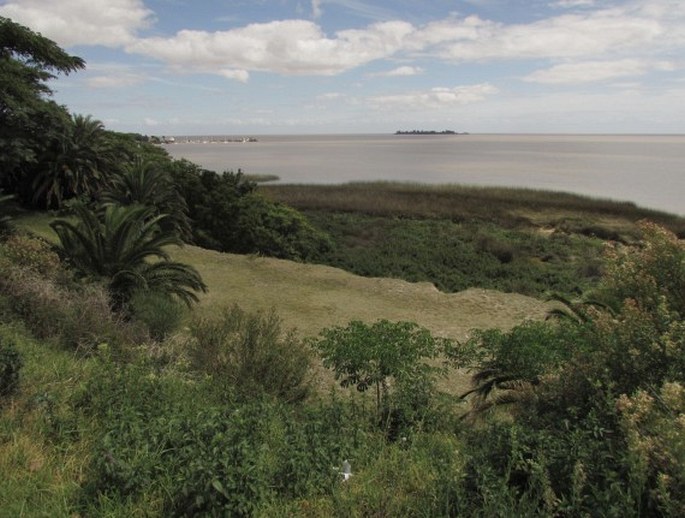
x: 262, y: 178
x: 508, y: 207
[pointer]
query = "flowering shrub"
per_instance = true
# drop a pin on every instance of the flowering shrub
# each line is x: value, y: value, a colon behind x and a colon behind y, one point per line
x: 654, y: 426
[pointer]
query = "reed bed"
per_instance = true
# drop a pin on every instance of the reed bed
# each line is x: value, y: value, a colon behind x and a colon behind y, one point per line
x: 504, y: 206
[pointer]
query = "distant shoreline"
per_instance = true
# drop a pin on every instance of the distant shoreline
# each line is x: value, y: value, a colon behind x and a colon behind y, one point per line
x: 429, y: 132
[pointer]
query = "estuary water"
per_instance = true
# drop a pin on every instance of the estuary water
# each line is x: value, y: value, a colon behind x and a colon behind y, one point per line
x: 648, y: 170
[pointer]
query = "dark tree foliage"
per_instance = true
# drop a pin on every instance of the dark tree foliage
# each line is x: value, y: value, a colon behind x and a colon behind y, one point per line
x: 148, y: 182
x: 77, y: 162
x: 229, y: 215
x: 27, y: 117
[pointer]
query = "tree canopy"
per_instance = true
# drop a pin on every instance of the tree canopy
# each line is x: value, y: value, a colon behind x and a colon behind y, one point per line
x: 27, y: 117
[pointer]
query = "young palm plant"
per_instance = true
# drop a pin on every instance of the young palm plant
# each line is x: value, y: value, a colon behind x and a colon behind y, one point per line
x: 510, y: 365
x: 120, y: 245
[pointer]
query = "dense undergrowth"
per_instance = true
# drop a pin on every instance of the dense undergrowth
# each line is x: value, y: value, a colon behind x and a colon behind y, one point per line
x: 457, y: 256
x: 582, y: 415
x: 514, y: 240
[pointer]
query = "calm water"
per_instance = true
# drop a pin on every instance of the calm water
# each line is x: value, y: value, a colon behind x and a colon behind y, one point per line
x: 648, y: 170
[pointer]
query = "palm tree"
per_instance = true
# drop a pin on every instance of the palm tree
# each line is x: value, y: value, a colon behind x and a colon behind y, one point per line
x: 117, y: 243
x: 77, y: 164
x: 147, y: 183
x: 510, y: 365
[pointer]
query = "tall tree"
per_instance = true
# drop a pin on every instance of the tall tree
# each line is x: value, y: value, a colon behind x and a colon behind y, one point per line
x: 27, y: 61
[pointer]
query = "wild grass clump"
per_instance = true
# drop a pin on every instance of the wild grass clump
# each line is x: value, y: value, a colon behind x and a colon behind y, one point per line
x: 37, y: 289
x: 252, y: 354
x: 77, y: 317
x: 160, y: 313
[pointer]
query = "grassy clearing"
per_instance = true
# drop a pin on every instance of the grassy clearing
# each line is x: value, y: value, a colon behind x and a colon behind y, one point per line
x: 311, y: 297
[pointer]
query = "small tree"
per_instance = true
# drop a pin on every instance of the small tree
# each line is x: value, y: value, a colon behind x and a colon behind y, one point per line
x: 381, y: 354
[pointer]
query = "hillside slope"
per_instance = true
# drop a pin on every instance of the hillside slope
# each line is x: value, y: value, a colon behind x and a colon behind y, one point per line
x: 311, y: 297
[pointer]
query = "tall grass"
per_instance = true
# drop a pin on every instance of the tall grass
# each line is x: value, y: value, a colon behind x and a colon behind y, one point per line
x: 505, y: 206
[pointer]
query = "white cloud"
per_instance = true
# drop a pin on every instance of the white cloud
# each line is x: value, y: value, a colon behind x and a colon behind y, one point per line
x: 114, y: 81
x: 588, y: 71
x: 111, y: 23
x: 571, y: 35
x: 594, y: 71
x: 330, y: 96
x: 402, y: 71
x: 239, y: 75
x: 567, y: 4
x: 436, y: 97
x: 290, y: 47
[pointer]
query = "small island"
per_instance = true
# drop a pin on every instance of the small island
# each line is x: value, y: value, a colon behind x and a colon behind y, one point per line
x: 429, y: 132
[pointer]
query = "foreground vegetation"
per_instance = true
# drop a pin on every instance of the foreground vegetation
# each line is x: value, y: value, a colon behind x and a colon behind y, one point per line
x: 579, y: 414
x: 118, y: 397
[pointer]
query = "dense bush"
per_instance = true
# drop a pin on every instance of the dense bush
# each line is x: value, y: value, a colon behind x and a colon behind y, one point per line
x: 169, y: 447
x: 251, y: 354
x: 455, y: 256
x: 161, y: 314
x: 392, y: 358
x: 602, y: 426
x: 230, y: 216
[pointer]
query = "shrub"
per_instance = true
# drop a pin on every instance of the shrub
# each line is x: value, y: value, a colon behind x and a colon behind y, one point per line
x: 159, y: 312
x: 77, y: 316
x: 251, y: 354
x: 421, y: 479
x: 655, y: 430
x: 651, y: 272
x: 166, y: 445
x: 229, y: 216
x: 32, y: 253
x: 604, y: 431
x: 384, y: 355
x: 10, y: 365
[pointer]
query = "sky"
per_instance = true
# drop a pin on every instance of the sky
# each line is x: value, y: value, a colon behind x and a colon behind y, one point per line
x: 244, y: 67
